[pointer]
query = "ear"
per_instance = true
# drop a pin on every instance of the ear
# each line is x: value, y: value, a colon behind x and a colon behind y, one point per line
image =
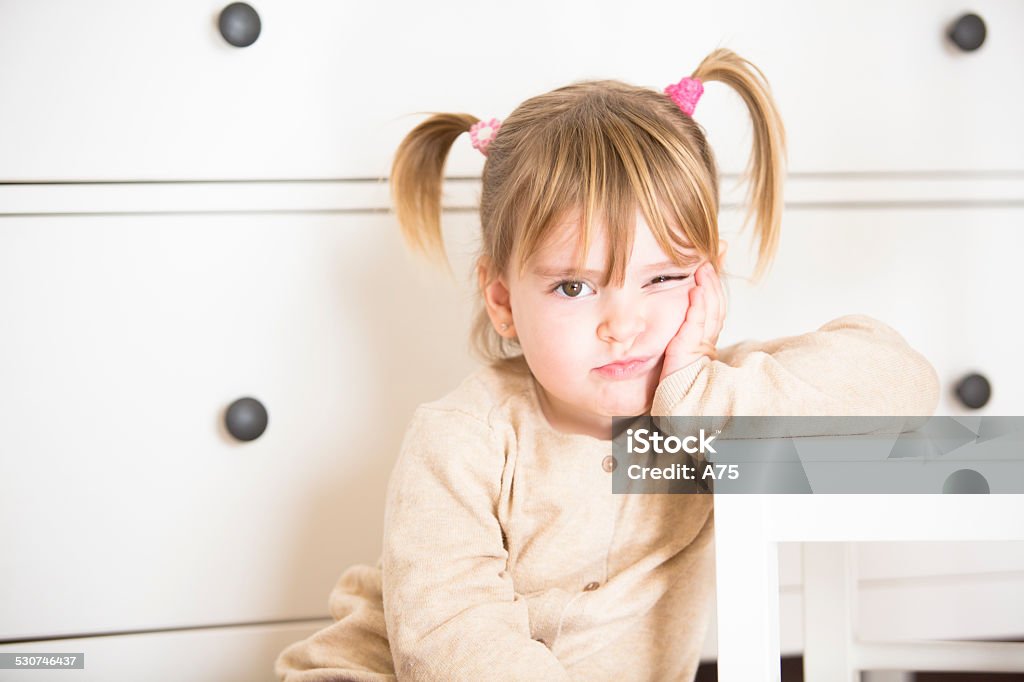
x: 497, y: 299
x: 723, y: 246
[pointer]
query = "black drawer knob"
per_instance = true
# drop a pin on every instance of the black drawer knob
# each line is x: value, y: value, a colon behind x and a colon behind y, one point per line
x: 239, y: 24
x: 246, y: 419
x: 968, y: 32
x: 974, y: 391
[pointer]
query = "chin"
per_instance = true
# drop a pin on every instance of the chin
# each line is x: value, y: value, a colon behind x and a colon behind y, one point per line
x: 629, y: 408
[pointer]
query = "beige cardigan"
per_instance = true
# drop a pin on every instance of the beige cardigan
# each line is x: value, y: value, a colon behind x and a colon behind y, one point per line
x: 507, y: 557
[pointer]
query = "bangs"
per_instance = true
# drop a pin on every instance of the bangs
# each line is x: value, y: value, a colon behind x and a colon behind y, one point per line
x: 600, y: 164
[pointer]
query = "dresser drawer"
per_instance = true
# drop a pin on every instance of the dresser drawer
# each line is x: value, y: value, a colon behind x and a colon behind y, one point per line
x: 229, y: 654
x: 125, y: 504
x: 147, y: 90
x: 945, y: 278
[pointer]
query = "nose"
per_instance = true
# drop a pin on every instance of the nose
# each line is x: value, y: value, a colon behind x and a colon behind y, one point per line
x: 621, y: 323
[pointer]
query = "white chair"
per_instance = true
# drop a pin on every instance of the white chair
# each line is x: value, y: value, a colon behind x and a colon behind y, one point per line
x: 748, y: 528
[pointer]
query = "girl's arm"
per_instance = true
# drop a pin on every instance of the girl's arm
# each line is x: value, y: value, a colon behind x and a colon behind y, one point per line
x: 853, y: 365
x: 449, y: 603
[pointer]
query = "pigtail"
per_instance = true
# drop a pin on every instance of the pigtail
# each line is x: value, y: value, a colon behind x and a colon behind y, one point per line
x: 417, y: 177
x: 766, y: 168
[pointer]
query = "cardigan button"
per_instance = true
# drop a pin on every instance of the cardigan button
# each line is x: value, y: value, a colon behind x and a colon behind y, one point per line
x: 609, y: 463
x: 590, y: 587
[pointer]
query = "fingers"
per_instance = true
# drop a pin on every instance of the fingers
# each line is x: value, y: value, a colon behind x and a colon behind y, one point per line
x: 695, y: 324
x: 711, y: 296
x: 691, y: 341
x: 716, y: 282
x: 708, y: 282
x: 709, y: 350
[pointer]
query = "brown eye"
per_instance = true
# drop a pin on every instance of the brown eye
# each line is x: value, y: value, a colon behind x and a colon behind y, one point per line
x: 570, y: 289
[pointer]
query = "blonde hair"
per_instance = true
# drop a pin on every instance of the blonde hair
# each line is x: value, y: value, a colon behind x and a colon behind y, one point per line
x: 604, y: 149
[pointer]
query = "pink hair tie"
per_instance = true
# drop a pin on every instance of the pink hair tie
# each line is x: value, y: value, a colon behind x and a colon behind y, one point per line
x: 483, y: 132
x: 685, y: 94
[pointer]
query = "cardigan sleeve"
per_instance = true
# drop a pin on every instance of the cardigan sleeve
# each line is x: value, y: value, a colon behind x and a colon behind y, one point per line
x: 851, y: 366
x: 450, y: 607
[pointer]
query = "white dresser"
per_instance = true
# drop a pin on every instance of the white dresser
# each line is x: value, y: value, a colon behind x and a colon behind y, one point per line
x: 185, y: 223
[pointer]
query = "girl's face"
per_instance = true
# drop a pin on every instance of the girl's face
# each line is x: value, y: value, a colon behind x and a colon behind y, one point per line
x: 570, y: 330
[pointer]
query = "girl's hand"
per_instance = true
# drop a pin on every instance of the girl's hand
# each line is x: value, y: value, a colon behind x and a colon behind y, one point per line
x: 698, y: 334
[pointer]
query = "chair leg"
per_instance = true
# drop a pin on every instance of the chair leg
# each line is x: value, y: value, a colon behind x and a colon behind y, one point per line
x: 829, y: 601
x: 747, y: 584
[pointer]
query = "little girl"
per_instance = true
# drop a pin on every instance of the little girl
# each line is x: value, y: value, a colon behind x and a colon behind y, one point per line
x: 506, y: 556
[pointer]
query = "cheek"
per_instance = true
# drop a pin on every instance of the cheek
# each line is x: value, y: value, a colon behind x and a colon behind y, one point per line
x: 668, y: 313
x: 544, y: 322
x: 547, y: 311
